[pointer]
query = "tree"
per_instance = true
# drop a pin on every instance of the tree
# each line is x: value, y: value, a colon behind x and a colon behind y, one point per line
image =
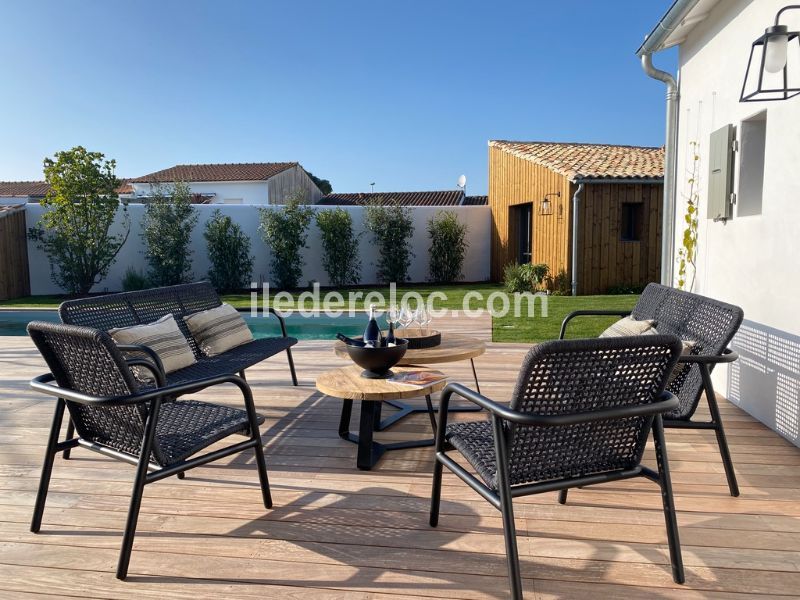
x: 284, y: 229
x: 229, y: 252
x: 167, y: 226
x: 81, y: 204
x: 448, y: 247
x: 339, y: 246
x: 323, y: 184
x: 391, y: 227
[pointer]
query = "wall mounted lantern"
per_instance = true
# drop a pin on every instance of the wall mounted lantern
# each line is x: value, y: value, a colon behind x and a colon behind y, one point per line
x: 546, y: 207
x: 777, y: 66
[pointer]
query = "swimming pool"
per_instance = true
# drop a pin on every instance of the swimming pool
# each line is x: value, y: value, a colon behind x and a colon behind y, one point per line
x: 318, y: 327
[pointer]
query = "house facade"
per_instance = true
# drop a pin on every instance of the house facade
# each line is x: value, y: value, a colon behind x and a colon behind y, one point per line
x: 748, y: 193
x: 591, y: 212
x: 233, y: 183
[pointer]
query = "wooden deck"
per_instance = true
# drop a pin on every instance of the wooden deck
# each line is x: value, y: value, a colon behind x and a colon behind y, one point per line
x: 336, y: 532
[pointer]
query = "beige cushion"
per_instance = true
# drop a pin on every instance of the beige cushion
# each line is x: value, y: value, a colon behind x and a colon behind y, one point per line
x: 163, y: 337
x: 218, y: 329
x: 630, y: 326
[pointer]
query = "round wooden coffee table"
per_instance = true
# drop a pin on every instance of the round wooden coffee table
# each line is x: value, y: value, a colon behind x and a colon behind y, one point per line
x: 346, y: 383
x: 454, y: 347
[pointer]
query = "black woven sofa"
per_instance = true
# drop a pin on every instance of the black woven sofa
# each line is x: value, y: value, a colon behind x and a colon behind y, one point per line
x: 711, y: 325
x: 140, y: 307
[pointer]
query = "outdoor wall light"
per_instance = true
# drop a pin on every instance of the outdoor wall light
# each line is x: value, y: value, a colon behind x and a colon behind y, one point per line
x: 546, y: 208
x: 777, y: 57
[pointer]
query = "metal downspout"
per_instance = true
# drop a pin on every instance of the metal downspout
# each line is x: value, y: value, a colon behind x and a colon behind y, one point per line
x: 576, y: 200
x: 670, y: 168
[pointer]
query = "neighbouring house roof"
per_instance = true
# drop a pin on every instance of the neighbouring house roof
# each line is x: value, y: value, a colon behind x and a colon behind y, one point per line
x: 590, y: 161
x: 476, y: 201
x: 38, y: 189
x: 440, y: 198
x: 23, y: 189
x: 676, y: 24
x: 217, y: 172
x: 7, y: 209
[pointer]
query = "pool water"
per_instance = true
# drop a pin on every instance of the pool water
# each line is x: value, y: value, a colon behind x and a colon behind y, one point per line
x: 318, y: 327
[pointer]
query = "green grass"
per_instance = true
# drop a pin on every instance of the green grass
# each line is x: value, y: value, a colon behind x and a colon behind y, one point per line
x: 505, y: 329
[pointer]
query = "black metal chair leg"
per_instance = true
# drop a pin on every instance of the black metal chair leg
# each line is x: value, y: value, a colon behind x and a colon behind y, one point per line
x: 475, y: 376
x: 436, y: 493
x: 70, y: 435
x: 138, y: 490
x: 291, y: 365
x: 47, y: 466
x: 668, y: 501
x: 255, y: 434
x: 562, y: 496
x: 507, y: 509
x: 719, y: 430
x: 182, y: 475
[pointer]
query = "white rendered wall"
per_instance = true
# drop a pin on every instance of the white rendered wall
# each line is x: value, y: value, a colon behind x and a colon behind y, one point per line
x: 752, y: 261
x: 476, y: 264
x: 250, y: 192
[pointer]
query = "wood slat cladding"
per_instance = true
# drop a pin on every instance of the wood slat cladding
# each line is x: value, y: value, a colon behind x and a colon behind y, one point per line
x: 291, y: 181
x: 605, y: 260
x: 514, y: 181
x: 14, y: 278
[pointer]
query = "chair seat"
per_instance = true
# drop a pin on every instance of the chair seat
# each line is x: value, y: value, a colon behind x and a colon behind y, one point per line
x: 232, y: 361
x: 475, y: 441
x: 187, y: 426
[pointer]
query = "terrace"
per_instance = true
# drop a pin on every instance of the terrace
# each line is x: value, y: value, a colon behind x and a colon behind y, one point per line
x: 337, y: 532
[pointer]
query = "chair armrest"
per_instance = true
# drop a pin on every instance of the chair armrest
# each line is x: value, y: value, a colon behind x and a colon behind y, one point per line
x: 154, y: 364
x: 665, y: 403
x: 281, y: 321
x: 590, y: 313
x: 727, y: 356
x: 42, y: 384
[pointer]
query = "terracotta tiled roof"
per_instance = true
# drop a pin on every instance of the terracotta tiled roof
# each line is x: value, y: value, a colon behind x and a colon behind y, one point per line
x: 7, y: 209
x: 217, y: 172
x: 577, y: 161
x: 443, y: 198
x: 476, y: 200
x: 125, y: 187
x: 23, y: 188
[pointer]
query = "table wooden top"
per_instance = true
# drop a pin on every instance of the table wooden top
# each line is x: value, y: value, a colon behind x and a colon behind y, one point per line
x: 347, y: 383
x: 454, y: 347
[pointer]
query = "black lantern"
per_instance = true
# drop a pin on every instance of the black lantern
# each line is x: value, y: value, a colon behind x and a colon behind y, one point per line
x: 779, y: 52
x: 546, y: 208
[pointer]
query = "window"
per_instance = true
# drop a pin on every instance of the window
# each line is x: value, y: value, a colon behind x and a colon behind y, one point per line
x: 631, y: 221
x: 751, y: 165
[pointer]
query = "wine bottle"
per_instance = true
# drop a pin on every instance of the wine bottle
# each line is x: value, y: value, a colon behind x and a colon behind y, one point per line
x: 372, y: 334
x: 350, y: 341
x: 391, y: 340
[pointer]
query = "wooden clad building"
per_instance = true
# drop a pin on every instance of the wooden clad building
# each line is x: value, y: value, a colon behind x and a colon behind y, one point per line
x: 533, y: 187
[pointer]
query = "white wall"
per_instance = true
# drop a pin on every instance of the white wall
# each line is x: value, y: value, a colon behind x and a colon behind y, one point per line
x: 251, y: 192
x: 752, y: 260
x: 476, y: 264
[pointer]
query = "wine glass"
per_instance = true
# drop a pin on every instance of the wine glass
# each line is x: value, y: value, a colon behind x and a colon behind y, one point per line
x: 406, y: 317
x: 423, y: 318
x: 393, y: 316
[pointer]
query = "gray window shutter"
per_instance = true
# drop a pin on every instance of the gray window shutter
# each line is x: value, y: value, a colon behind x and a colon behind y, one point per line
x: 720, y: 173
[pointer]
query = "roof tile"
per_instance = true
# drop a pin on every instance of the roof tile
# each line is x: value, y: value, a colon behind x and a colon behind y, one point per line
x: 440, y: 198
x: 217, y: 172
x: 589, y: 161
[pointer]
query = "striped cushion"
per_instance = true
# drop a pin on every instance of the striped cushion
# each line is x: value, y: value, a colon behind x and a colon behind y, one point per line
x: 164, y: 337
x: 629, y: 327
x: 218, y: 329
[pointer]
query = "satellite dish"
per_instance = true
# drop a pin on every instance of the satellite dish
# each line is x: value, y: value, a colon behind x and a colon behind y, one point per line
x: 462, y: 181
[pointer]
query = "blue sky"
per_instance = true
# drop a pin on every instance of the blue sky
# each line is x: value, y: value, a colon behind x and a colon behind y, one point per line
x: 405, y: 94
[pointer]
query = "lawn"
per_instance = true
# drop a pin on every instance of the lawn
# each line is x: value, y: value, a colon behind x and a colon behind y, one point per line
x: 504, y: 329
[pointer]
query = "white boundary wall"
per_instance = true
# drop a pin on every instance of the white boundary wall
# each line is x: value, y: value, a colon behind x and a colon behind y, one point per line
x: 476, y: 264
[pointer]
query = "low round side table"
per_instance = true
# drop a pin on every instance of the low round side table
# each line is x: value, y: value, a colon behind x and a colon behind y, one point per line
x: 346, y: 383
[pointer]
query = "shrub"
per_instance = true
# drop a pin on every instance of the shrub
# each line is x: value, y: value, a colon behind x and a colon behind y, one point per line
x: 624, y: 289
x: 391, y: 227
x: 81, y: 206
x: 169, y: 219
x: 448, y: 247
x: 285, y: 230
x: 560, y: 284
x: 229, y: 253
x: 340, y: 246
x: 526, y: 277
x: 134, y: 280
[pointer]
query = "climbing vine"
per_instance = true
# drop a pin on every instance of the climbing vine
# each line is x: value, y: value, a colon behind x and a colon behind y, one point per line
x: 687, y: 253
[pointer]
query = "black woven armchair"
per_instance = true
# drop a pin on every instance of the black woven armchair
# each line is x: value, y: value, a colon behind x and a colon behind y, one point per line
x: 711, y: 325
x: 146, y: 427
x: 580, y: 415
